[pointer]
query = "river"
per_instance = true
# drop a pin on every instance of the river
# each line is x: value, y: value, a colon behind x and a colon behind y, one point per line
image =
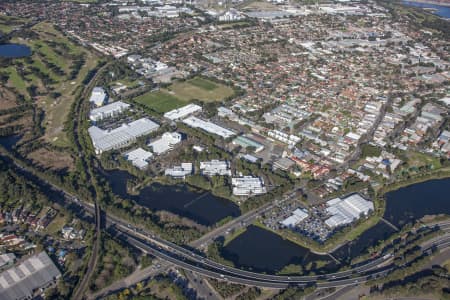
x: 442, y: 11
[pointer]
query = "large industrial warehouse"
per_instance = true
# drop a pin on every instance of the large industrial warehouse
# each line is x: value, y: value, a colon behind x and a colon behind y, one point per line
x: 104, y: 140
x: 345, y: 211
x: 27, y: 279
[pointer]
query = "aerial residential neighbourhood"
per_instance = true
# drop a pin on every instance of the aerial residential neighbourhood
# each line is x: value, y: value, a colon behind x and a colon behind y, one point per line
x: 202, y: 149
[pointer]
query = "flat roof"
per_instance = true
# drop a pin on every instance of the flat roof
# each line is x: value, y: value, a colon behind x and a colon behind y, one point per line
x: 182, y: 111
x: 104, y: 140
x: 208, y: 127
x: 20, y: 282
x: 108, y: 109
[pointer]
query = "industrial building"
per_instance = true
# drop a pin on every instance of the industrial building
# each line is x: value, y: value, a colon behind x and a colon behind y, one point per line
x: 284, y: 164
x: 344, y: 211
x: 105, y: 140
x: 248, y: 185
x: 108, y: 111
x: 297, y: 216
x: 182, y: 112
x: 215, y: 167
x: 28, y: 279
x: 98, y: 96
x: 139, y: 158
x: 179, y: 171
x: 208, y: 127
x: 245, y: 142
x: 165, y: 143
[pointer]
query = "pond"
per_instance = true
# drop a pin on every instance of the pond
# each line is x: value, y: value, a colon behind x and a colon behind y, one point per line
x: 14, y: 51
x: 202, y: 207
x: 260, y: 250
x: 9, y: 141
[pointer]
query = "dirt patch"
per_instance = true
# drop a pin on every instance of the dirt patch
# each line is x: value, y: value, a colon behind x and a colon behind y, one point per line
x: 53, y: 159
x: 7, y: 99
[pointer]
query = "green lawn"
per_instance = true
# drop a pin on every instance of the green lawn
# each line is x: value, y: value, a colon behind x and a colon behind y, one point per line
x: 159, y: 102
x: 203, y: 83
x: 201, y: 89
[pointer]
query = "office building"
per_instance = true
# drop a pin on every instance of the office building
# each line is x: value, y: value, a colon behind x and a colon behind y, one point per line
x: 98, y: 96
x: 179, y: 171
x: 166, y: 143
x: 248, y: 185
x: 215, y: 167
x: 139, y: 158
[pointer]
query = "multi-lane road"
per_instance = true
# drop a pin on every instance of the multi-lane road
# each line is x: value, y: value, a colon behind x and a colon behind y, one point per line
x: 193, y: 261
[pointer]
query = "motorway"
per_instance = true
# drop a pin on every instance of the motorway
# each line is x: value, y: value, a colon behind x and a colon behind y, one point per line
x: 194, y: 262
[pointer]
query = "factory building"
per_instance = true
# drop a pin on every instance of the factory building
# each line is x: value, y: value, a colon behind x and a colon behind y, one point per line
x: 248, y: 185
x: 297, y: 216
x: 215, y: 167
x: 345, y: 211
x: 165, y: 143
x: 29, y: 279
x: 98, y: 96
x: 105, y: 140
x: 208, y: 127
x: 182, y: 112
x: 245, y: 142
x: 139, y: 158
x: 179, y: 171
x: 108, y: 111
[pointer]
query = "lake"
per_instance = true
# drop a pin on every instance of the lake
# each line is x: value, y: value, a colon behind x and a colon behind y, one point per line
x: 442, y: 11
x: 14, y: 51
x: 260, y: 250
x: 202, y: 207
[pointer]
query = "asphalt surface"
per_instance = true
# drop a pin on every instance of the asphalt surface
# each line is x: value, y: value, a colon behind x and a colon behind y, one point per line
x: 194, y: 262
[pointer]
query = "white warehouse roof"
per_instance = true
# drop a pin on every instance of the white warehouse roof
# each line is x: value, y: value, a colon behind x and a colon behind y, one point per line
x: 108, y: 110
x: 208, y: 127
x: 22, y: 281
x: 297, y: 216
x: 104, y: 140
x: 182, y: 112
x: 345, y: 211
